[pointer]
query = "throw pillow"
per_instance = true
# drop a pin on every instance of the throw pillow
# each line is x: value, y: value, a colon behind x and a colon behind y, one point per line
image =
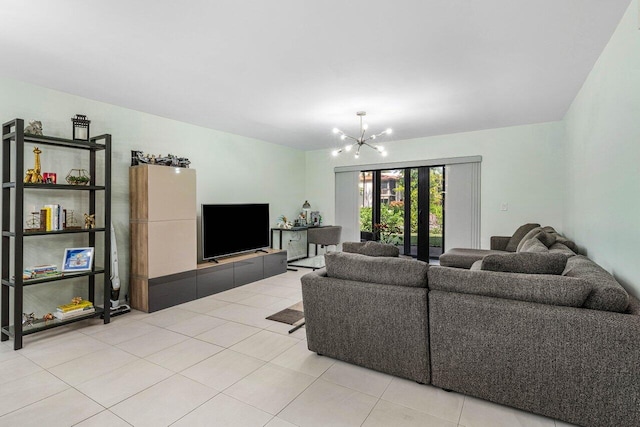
x: 352, y: 247
x: 547, y: 239
x: 534, y: 245
x: 384, y: 270
x: 558, y: 247
x: 371, y: 249
x: 518, y: 235
x: 532, y: 233
x: 526, y: 262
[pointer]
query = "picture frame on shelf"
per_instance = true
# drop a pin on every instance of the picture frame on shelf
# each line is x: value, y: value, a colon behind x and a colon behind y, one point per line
x: 314, y: 218
x: 77, y: 260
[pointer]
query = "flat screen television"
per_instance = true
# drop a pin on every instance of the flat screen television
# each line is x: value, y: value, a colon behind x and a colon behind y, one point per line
x: 234, y: 228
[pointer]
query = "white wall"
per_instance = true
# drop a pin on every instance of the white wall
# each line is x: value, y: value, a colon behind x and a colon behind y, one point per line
x: 603, y: 150
x: 230, y: 168
x: 522, y: 166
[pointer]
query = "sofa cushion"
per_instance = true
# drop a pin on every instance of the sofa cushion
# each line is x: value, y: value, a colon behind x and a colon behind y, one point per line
x: 561, y: 239
x: 547, y: 239
x: 463, y: 257
x: 532, y: 233
x: 606, y: 293
x: 476, y: 265
x: 383, y: 270
x: 371, y: 248
x: 534, y: 245
x: 512, y: 245
x: 558, y: 247
x: 542, y: 289
x: 526, y: 262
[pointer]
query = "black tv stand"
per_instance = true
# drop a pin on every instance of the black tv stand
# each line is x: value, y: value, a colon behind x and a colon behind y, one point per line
x: 261, y: 250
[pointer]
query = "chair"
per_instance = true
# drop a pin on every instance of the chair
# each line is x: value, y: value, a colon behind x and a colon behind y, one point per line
x: 323, y: 236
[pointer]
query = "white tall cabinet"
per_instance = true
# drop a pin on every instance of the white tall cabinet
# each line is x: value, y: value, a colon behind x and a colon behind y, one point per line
x: 163, y: 216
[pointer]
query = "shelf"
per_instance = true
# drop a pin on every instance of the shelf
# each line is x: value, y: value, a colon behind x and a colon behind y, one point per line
x: 58, y: 142
x: 64, y: 276
x: 54, y: 186
x: 41, y: 325
x: 47, y: 233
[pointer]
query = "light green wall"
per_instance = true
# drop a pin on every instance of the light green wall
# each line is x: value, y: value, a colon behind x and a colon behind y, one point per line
x: 521, y: 165
x: 230, y: 169
x: 603, y: 150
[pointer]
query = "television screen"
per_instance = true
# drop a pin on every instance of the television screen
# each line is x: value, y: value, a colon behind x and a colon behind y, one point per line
x: 229, y: 229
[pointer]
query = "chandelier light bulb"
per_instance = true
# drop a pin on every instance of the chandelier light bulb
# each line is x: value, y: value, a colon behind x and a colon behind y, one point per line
x: 384, y: 154
x: 373, y: 137
x: 336, y: 130
x: 348, y: 147
x: 380, y: 148
x: 365, y: 126
x: 343, y: 137
x: 334, y: 153
x: 357, y: 155
x: 388, y: 131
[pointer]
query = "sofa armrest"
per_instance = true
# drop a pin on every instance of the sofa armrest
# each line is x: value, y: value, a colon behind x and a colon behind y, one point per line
x: 381, y: 327
x: 499, y: 243
x: 574, y: 364
x: 538, y: 288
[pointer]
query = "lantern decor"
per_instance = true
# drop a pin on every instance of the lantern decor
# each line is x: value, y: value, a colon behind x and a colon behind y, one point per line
x: 80, y: 128
x: 78, y: 177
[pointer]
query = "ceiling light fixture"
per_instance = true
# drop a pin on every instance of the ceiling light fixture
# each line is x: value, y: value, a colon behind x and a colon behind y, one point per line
x: 361, y: 140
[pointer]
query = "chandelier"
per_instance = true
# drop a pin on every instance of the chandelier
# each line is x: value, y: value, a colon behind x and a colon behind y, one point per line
x: 361, y: 140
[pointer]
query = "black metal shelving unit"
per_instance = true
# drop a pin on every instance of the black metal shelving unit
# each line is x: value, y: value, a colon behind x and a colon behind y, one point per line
x: 13, y: 240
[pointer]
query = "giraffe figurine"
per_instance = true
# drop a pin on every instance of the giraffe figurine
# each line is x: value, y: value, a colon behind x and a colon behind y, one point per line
x: 36, y: 176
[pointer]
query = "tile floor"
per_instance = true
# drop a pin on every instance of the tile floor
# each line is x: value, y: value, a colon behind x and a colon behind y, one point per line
x: 216, y: 362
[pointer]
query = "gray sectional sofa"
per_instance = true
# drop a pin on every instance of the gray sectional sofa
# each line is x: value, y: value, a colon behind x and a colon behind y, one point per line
x: 564, y: 344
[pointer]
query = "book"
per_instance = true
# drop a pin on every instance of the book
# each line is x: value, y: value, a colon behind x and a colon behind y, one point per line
x: 64, y: 316
x: 72, y: 306
x: 76, y: 310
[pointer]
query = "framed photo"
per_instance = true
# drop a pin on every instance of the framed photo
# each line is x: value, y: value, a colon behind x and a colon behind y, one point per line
x: 77, y: 259
x: 314, y: 218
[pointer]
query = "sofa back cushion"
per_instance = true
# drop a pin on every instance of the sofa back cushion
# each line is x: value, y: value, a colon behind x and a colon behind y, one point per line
x: 371, y: 249
x: 512, y: 245
x: 558, y: 247
x: 530, y: 235
x: 526, y: 262
x: 384, y: 270
x: 534, y: 245
x: 538, y: 288
x: 606, y: 293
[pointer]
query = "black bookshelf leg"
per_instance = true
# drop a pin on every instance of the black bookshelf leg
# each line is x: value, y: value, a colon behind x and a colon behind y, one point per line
x: 5, y: 312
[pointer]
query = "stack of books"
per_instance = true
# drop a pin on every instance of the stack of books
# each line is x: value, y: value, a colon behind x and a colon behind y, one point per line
x: 53, y: 218
x: 69, y: 311
x: 40, y: 272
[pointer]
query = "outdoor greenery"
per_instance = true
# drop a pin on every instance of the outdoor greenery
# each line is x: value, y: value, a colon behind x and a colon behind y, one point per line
x: 391, y: 224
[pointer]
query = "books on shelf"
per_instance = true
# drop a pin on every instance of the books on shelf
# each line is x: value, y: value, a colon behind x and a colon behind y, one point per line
x: 40, y: 272
x: 66, y: 308
x: 53, y: 218
x: 75, y: 313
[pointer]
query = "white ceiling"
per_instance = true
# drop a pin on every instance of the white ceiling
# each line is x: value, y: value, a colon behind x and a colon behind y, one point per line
x: 288, y: 71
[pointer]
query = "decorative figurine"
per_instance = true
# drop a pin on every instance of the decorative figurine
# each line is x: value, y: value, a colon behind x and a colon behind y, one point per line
x: 283, y: 222
x: 80, y: 128
x: 76, y: 300
x: 72, y: 223
x: 34, y: 128
x: 28, y: 319
x: 33, y: 175
x: 47, y: 316
x: 138, y: 158
x: 89, y: 221
x: 33, y: 223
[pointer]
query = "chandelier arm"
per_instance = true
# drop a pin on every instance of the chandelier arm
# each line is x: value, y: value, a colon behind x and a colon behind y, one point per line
x: 351, y: 137
x: 371, y: 146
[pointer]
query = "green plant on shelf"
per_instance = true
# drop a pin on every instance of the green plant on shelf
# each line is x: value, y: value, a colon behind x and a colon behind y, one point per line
x: 78, y: 180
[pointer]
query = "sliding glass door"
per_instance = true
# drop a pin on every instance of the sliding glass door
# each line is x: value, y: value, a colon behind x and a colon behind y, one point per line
x: 404, y: 207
